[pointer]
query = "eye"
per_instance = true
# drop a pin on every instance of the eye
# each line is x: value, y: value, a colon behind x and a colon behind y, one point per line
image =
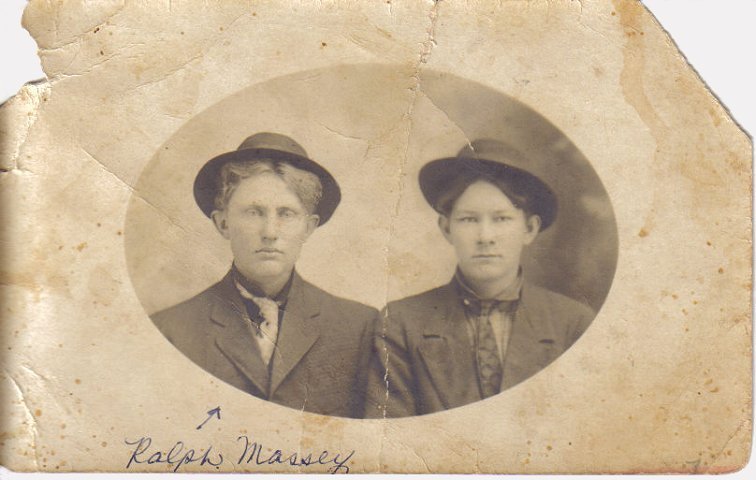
x: 502, y: 218
x: 467, y: 219
x: 287, y: 213
x: 253, y: 212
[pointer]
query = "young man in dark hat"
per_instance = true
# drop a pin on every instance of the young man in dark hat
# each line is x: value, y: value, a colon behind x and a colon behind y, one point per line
x: 263, y: 328
x: 488, y: 328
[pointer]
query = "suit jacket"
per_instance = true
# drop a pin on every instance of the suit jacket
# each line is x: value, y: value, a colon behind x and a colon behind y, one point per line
x: 323, y: 348
x: 424, y: 345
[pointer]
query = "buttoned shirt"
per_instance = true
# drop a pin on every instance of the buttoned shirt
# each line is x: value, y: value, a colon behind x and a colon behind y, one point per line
x: 501, y: 315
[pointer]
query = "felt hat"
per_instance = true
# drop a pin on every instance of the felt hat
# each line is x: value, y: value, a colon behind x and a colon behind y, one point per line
x: 270, y: 146
x: 489, y: 159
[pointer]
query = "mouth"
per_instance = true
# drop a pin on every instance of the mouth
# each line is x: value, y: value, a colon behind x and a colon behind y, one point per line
x: 269, y: 251
x: 486, y: 256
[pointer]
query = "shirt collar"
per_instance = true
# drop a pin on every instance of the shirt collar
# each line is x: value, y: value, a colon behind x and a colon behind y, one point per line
x: 509, y: 294
x: 242, y: 282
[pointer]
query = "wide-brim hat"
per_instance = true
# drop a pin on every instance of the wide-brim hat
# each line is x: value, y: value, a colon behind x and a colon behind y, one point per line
x: 270, y: 146
x: 492, y: 159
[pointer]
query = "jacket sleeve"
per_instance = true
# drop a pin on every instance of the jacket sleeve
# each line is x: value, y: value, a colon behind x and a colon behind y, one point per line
x: 391, y: 384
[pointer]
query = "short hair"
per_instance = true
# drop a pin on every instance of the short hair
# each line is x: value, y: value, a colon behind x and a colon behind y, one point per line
x: 514, y: 191
x: 306, y: 185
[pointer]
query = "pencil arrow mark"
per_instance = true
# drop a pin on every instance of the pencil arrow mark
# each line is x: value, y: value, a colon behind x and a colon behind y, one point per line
x: 215, y: 412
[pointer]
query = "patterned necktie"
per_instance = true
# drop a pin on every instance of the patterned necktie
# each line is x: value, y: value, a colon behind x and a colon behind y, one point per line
x: 267, y: 330
x: 490, y: 369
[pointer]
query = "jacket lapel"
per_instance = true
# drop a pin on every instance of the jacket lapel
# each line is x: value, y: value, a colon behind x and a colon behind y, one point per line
x: 236, y: 338
x: 448, y: 356
x: 532, y: 342
x: 300, y: 329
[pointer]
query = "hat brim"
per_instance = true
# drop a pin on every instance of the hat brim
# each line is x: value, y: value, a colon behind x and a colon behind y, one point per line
x: 438, y: 175
x: 207, y: 182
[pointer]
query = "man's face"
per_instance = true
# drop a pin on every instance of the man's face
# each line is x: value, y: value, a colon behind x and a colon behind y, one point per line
x: 488, y: 233
x: 267, y: 225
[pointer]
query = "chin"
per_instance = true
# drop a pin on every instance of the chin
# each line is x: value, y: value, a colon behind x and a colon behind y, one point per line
x: 484, y: 273
x: 265, y: 269
x: 480, y: 274
x: 270, y: 269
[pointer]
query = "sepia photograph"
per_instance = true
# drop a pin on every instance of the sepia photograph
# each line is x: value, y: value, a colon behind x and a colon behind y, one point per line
x: 400, y: 237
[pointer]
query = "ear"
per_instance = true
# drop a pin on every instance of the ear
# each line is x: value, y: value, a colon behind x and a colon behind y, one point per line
x: 532, y: 226
x: 312, y: 223
x: 219, y: 219
x: 444, y: 226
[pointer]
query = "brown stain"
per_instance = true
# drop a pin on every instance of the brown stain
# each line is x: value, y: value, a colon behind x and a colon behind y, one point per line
x: 643, y: 233
x: 38, y: 413
x: 27, y: 280
x: 81, y: 246
x: 716, y: 118
x: 77, y: 381
x: 631, y: 17
x: 137, y: 69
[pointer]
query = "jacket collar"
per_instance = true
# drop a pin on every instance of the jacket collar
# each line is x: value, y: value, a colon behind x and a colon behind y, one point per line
x: 447, y: 354
x: 450, y: 359
x: 299, y: 331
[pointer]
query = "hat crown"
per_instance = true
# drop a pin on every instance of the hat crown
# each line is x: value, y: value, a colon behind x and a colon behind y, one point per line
x: 494, y: 150
x: 489, y: 159
x: 273, y: 141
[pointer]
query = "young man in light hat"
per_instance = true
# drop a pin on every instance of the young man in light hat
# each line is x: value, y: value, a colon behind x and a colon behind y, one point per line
x: 263, y: 328
x: 488, y: 328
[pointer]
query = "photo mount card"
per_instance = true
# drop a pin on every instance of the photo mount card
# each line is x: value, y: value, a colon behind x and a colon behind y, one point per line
x: 397, y: 237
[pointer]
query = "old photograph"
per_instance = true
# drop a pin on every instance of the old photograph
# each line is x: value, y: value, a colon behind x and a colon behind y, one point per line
x: 399, y: 237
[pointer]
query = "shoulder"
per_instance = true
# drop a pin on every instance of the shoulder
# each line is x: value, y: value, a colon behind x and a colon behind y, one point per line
x: 180, y: 315
x: 417, y: 313
x: 334, y: 305
x: 542, y: 298
x: 433, y: 299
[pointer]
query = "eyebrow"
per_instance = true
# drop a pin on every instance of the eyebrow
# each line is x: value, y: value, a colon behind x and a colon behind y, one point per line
x: 275, y: 207
x: 475, y: 212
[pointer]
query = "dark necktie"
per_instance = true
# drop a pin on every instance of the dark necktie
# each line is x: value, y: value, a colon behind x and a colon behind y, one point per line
x: 488, y: 359
x: 489, y: 363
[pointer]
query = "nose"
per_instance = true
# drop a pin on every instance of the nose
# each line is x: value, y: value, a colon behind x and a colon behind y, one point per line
x: 269, y: 230
x: 486, y: 233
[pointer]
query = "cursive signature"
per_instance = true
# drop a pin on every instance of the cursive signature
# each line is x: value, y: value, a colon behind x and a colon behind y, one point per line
x: 176, y: 457
x: 253, y: 453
